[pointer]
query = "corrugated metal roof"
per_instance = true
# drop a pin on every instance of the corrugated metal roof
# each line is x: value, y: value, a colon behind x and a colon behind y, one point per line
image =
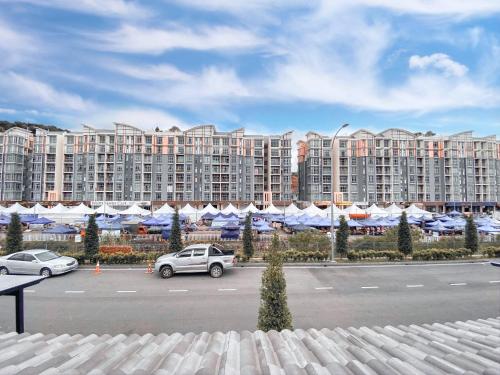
x: 471, y: 347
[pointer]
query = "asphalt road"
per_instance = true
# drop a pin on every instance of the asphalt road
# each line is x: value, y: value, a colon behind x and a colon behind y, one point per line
x: 130, y: 301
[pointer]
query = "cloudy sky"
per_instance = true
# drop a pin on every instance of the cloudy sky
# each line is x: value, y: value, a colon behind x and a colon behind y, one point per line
x: 269, y: 66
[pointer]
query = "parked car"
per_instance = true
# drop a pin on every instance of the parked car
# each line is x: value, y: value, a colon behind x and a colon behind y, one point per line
x: 36, y: 262
x: 196, y: 258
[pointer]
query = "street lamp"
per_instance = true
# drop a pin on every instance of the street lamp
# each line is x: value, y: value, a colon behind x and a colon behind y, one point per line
x: 332, y: 228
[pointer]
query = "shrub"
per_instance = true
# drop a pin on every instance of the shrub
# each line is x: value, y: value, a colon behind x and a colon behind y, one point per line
x: 405, y: 243
x: 117, y: 258
x: 91, y: 240
x: 372, y: 254
x: 471, y: 237
x: 441, y: 254
x: 309, y: 241
x: 492, y: 252
x: 111, y: 249
x: 341, y: 241
x: 175, y: 235
x: 248, y: 237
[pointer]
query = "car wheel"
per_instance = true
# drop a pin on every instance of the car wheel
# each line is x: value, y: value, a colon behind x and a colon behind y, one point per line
x: 45, y: 272
x: 166, y: 272
x: 216, y: 271
x: 4, y: 271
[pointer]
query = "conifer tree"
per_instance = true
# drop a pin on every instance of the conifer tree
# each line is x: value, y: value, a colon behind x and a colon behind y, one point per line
x: 471, y: 238
x: 14, y: 241
x: 405, y: 244
x: 175, y: 234
x: 91, y: 240
x: 248, y: 237
x: 341, y: 241
x: 273, y: 312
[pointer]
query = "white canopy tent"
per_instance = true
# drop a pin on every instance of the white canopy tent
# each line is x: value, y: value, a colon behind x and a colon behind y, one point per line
x: 164, y: 210
x: 313, y: 210
x: 337, y: 212
x: 2, y: 208
x: 208, y: 209
x: 292, y: 209
x: 16, y: 208
x: 271, y: 210
x: 416, y: 211
x: 376, y: 211
x: 81, y: 210
x: 61, y: 214
x: 250, y: 208
x: 354, y: 210
x: 393, y: 210
x: 135, y: 210
x: 230, y: 209
x: 37, y: 209
x: 106, y: 209
x: 190, y: 212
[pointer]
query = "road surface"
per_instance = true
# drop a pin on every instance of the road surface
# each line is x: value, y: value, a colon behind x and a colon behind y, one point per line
x: 130, y: 301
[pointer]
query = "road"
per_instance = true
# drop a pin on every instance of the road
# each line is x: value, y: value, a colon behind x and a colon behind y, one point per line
x: 130, y: 301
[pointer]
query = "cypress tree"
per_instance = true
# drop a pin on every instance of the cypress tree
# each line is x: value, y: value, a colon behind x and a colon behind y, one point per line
x: 248, y: 237
x: 14, y: 242
x: 471, y: 238
x: 175, y: 234
x: 405, y: 244
x: 273, y: 311
x: 341, y: 241
x: 91, y: 241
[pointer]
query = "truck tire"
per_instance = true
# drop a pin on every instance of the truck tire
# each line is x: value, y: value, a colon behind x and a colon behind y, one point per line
x: 216, y: 271
x: 4, y: 271
x: 166, y: 272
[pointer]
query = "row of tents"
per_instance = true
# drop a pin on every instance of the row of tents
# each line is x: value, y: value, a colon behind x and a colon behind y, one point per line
x: 62, y: 213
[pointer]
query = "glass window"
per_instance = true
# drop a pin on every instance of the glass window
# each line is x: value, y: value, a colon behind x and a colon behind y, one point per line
x: 17, y: 257
x: 198, y: 252
x: 184, y: 254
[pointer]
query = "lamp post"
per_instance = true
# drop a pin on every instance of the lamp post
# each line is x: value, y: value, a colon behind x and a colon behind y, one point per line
x: 332, y: 218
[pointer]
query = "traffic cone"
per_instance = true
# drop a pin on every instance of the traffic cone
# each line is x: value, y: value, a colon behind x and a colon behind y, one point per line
x: 97, y: 268
x: 149, y: 270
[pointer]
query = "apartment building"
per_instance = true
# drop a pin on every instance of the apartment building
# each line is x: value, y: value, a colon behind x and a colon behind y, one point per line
x: 399, y: 166
x: 125, y: 163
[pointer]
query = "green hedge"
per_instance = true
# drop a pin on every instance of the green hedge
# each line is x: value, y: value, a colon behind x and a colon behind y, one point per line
x: 118, y: 258
x: 440, y: 254
x: 302, y: 256
x: 491, y: 252
x: 373, y: 254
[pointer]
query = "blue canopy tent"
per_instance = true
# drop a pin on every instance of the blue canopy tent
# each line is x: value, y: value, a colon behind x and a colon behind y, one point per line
x: 370, y: 223
x: 444, y: 218
x: 61, y: 229
x: 488, y: 229
x: 27, y: 219
x: 42, y: 221
x: 4, y: 220
x: 441, y: 228
x: 230, y: 232
x: 302, y: 228
x: 108, y: 226
x: 353, y: 224
x: 454, y: 213
x: 383, y: 222
x: 264, y: 228
x: 414, y: 221
x: 208, y: 216
x: 165, y: 233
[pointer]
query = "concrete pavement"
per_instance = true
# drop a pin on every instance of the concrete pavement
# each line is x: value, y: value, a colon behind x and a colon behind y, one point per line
x: 126, y: 301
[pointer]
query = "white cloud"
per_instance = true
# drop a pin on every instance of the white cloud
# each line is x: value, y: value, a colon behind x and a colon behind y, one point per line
x: 145, y: 118
x: 135, y: 39
x: 159, y: 72
x: 8, y: 111
x: 25, y: 90
x: 15, y: 46
x: 107, y: 8
x: 439, y: 61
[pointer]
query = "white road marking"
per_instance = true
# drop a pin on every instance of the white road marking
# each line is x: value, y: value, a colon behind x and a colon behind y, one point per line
x: 126, y: 291
x: 226, y: 289
x: 33, y: 291
x: 324, y: 288
x: 369, y: 287
x: 178, y: 290
x: 74, y: 291
x: 494, y: 281
x: 415, y: 286
x: 458, y: 284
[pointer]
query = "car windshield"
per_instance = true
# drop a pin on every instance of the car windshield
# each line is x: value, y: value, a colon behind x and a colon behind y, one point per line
x: 47, y: 255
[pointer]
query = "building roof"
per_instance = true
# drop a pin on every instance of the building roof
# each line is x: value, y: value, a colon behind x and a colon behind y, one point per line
x: 471, y: 347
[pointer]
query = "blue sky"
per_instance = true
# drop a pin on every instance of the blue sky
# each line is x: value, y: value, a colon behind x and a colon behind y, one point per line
x: 268, y: 66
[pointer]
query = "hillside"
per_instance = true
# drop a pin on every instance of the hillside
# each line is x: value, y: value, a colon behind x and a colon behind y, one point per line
x: 4, y: 125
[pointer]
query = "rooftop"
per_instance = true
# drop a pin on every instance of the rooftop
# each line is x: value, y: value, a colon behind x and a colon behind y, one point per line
x: 471, y: 347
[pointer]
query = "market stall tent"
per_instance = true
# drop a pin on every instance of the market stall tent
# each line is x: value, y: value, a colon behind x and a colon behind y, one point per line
x: 375, y: 211
x: 81, y: 210
x: 250, y: 208
x: 230, y: 209
x: 291, y: 209
x: 393, y: 210
x: 208, y: 209
x: 272, y: 210
x: 135, y: 210
x: 106, y: 209
x: 190, y: 212
x: 16, y: 208
x: 313, y: 210
x: 165, y: 209
x: 337, y: 212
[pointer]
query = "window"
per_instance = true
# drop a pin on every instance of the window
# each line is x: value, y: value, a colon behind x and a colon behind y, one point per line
x: 19, y: 257
x: 198, y: 252
x: 184, y: 254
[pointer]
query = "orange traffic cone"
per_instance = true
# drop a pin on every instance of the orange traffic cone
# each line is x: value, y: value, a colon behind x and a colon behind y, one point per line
x: 97, y: 268
x: 149, y: 270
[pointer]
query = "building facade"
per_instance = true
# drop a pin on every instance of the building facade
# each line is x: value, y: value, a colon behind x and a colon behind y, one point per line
x: 125, y: 163
x: 399, y: 166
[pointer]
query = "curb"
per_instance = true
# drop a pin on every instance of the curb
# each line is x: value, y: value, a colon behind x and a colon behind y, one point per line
x: 314, y: 264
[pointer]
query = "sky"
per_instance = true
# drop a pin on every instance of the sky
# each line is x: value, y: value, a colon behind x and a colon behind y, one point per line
x: 269, y: 66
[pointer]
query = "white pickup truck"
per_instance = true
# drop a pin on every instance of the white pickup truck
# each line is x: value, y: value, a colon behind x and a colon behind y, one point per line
x: 196, y: 258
